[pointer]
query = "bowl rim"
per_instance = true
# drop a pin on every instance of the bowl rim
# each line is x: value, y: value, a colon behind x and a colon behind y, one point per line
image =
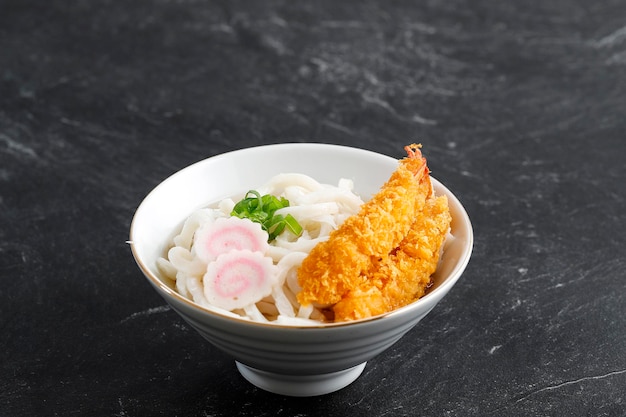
x: 165, y: 291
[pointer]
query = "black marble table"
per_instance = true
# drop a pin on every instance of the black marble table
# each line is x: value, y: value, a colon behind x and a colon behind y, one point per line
x: 520, y: 106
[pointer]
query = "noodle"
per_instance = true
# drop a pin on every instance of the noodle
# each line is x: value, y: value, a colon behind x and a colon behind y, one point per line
x: 318, y: 208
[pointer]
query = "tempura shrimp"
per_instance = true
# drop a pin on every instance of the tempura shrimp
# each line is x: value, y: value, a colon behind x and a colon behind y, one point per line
x: 341, y: 268
x: 404, y: 276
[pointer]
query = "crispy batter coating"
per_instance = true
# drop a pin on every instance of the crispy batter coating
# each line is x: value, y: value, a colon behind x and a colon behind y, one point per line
x: 340, y: 265
x: 404, y: 276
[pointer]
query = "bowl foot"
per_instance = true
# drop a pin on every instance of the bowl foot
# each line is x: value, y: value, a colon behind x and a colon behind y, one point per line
x: 300, y: 385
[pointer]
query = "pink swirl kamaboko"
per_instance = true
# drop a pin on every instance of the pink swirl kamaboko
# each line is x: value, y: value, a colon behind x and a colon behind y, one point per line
x: 225, y: 264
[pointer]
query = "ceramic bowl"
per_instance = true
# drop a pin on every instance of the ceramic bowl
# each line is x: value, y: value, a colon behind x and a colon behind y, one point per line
x: 288, y: 360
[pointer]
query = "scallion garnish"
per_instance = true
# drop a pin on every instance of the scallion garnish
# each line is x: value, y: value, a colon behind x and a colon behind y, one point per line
x: 260, y: 209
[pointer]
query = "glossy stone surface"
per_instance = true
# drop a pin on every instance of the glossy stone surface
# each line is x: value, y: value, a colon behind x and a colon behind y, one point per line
x: 520, y: 108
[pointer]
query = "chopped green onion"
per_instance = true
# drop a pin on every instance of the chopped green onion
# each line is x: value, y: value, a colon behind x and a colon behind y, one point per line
x: 260, y: 209
x: 293, y: 225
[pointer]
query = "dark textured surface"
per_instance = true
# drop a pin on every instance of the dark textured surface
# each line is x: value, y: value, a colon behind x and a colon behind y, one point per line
x: 520, y: 107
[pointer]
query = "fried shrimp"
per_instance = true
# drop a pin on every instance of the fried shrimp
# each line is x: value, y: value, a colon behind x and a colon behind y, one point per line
x: 405, y: 275
x: 362, y: 264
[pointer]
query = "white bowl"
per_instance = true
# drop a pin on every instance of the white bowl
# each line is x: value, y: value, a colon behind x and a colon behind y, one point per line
x: 288, y: 360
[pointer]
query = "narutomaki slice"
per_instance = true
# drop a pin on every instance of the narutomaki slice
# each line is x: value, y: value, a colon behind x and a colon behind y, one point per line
x: 239, y: 278
x: 226, y: 234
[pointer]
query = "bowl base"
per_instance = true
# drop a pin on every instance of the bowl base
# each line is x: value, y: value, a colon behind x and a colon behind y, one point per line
x: 300, y: 385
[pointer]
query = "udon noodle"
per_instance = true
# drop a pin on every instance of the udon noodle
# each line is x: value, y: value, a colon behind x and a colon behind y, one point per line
x: 319, y: 209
